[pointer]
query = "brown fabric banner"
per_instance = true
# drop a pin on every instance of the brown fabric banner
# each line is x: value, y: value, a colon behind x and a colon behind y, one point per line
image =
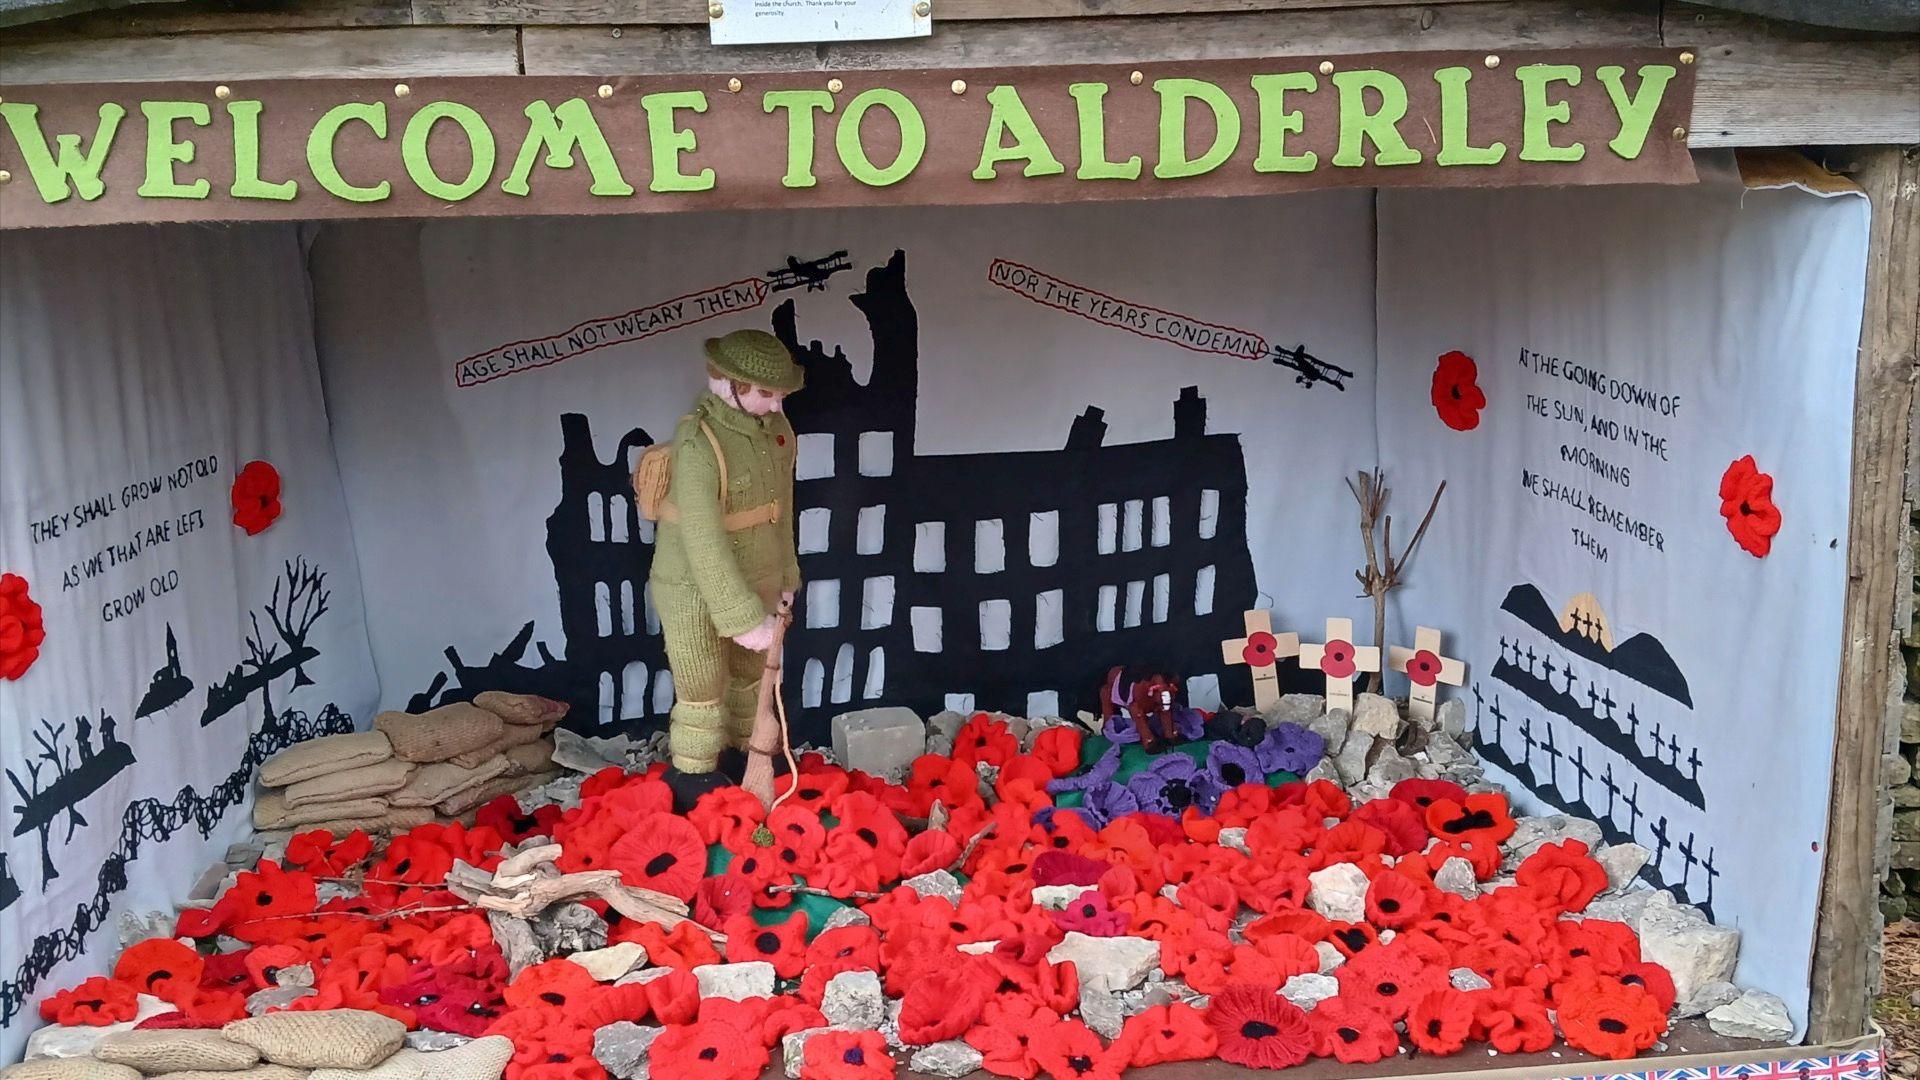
x: 320, y: 148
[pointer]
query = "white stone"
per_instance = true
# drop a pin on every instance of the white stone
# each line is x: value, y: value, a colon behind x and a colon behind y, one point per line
x: 1338, y: 892
x: 1530, y: 833
x: 1301, y: 709
x: 935, y: 883
x: 1330, y: 956
x: 977, y: 948
x: 1389, y: 768
x: 1377, y: 716
x: 1101, y: 1011
x: 276, y: 997
x: 1756, y: 1014
x: 1452, y: 718
x: 1706, y: 999
x: 947, y: 722
x: 1109, y: 963
x: 1351, y: 761
x: 1622, y: 863
x: 1679, y: 938
x: 736, y: 982
x: 1468, y: 979
x: 846, y: 916
x: 608, y: 964
x: 621, y: 1048
x: 793, y: 1049
x: 952, y: 1059
x: 1331, y: 725
x: 1456, y: 876
x: 1323, y: 771
x: 428, y: 1041
x: 854, y: 999
x: 882, y: 742
x: 1625, y: 907
x: 1057, y: 897
x: 1235, y: 837
x: 1307, y: 991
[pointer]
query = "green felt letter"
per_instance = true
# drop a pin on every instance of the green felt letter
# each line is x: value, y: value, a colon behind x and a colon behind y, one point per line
x: 799, y: 105
x: 1636, y: 112
x: 562, y: 131
x: 164, y: 151
x: 1277, y: 122
x: 1174, y: 95
x: 1357, y: 124
x: 1536, y: 140
x: 246, y: 157
x: 1455, y: 147
x: 670, y: 142
x: 913, y: 138
x: 1090, y: 99
x: 413, y: 150
x: 1010, y: 117
x: 73, y: 170
x: 320, y: 149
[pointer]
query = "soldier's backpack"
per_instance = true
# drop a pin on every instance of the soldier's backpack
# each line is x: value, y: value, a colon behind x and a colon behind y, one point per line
x: 653, y: 475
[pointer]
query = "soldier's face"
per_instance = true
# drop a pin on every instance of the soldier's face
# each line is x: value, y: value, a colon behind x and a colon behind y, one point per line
x: 753, y: 400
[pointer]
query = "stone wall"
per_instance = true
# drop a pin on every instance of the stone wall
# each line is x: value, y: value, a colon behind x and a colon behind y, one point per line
x: 1900, y: 891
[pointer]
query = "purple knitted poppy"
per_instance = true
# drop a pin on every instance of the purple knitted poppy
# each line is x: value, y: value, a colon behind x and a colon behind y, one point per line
x: 1100, y: 772
x: 1120, y: 729
x: 1230, y: 765
x: 1106, y: 802
x: 1291, y: 748
x: 1173, y: 783
x: 1190, y: 723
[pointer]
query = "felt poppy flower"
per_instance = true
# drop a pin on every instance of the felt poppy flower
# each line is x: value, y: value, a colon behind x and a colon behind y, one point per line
x: 1290, y: 748
x: 662, y: 852
x: 1561, y: 876
x: 1258, y: 1028
x: 1336, y: 659
x: 1352, y: 1034
x: 256, y: 497
x: 1171, y: 784
x: 727, y: 815
x: 1069, y: 1050
x: 160, y: 966
x: 96, y: 1002
x: 783, y: 945
x: 22, y: 627
x: 1478, y: 817
x: 942, y: 1005
x: 846, y: 1055
x: 1457, y: 396
x: 1608, y: 1019
x: 1746, y: 501
x: 1441, y: 1022
x: 1058, y: 748
x: 707, y: 1050
x: 1173, y: 1032
x: 1231, y: 765
x: 984, y: 738
x: 1423, y: 793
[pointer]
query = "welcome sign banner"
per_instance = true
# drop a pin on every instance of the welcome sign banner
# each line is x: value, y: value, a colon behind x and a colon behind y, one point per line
x: 321, y: 148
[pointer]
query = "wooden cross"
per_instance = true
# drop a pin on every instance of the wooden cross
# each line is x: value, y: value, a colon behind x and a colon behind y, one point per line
x: 1261, y: 650
x: 1339, y: 659
x: 1425, y: 668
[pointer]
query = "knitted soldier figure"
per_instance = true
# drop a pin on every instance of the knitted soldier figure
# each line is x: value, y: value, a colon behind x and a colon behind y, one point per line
x: 722, y: 566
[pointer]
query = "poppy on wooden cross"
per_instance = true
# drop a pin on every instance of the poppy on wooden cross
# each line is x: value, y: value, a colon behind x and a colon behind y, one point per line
x: 1261, y: 650
x: 1425, y: 668
x: 1340, y: 660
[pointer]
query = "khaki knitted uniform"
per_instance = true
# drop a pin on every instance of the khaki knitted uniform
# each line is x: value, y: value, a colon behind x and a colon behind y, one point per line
x: 710, y: 583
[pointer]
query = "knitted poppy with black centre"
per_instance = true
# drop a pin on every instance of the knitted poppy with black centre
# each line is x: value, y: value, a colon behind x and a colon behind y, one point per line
x: 784, y: 945
x: 1350, y: 1033
x: 1607, y: 1019
x: 96, y: 1002
x: 707, y: 1050
x: 1388, y: 979
x: 661, y: 852
x: 1164, y: 1033
x: 1440, y: 1023
x: 846, y: 1055
x: 162, y: 967
x: 1395, y: 901
x: 554, y: 984
x: 1513, y: 1020
x: 1258, y: 1028
x: 1483, y: 816
x: 1069, y: 1050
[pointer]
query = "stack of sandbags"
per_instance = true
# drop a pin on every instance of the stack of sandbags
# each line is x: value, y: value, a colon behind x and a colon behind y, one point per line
x: 412, y: 767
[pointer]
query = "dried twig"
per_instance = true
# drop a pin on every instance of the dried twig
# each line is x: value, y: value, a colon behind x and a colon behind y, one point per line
x: 1384, y: 569
x: 809, y: 890
x: 967, y: 852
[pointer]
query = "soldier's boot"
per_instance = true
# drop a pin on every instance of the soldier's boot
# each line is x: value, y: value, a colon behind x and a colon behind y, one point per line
x: 696, y: 734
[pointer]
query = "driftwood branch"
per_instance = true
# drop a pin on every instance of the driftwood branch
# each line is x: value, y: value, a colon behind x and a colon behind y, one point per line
x: 1384, y: 570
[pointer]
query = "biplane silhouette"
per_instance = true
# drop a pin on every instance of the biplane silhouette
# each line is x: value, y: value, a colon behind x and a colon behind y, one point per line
x: 811, y: 274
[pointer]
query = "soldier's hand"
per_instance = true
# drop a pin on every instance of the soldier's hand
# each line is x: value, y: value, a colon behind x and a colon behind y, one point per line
x: 758, y: 639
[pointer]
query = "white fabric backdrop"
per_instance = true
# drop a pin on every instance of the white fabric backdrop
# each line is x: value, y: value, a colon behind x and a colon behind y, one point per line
x: 1745, y: 306
x: 126, y: 355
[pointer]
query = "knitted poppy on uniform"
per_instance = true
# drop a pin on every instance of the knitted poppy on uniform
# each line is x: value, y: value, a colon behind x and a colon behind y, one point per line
x: 662, y: 852
x: 707, y: 1050
x: 160, y: 966
x: 1164, y: 1033
x: 1561, y: 876
x: 1350, y: 1033
x: 1068, y: 1050
x: 1480, y: 817
x: 1608, y: 1019
x: 846, y: 1055
x: 1441, y: 1022
x: 96, y: 1002
x: 784, y: 945
x: 1258, y: 1028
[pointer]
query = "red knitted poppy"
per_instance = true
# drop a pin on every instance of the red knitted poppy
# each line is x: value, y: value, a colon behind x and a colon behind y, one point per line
x: 1258, y: 1028
x: 662, y: 852
x: 1561, y: 876
x: 1352, y: 1033
x: 1068, y: 1050
x: 784, y: 944
x: 942, y: 1005
x: 1608, y: 1019
x: 707, y: 1050
x: 1440, y: 1023
x: 160, y: 966
x: 1513, y: 1021
x: 846, y: 1055
x: 1164, y: 1033
x: 96, y: 1002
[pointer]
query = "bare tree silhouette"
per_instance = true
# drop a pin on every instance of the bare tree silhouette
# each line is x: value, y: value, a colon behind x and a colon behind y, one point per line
x: 42, y: 799
x: 299, y: 599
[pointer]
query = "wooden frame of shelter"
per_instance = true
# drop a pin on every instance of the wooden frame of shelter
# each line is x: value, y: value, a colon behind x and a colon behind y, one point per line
x: 1846, y: 80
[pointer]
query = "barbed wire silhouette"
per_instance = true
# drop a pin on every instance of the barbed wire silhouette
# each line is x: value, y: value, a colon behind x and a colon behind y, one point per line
x: 153, y: 821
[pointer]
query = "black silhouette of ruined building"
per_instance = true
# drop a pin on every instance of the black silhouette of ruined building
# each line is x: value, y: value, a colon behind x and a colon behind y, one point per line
x: 1010, y: 579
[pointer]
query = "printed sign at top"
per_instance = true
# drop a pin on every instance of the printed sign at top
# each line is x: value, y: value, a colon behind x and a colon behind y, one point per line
x: 767, y: 22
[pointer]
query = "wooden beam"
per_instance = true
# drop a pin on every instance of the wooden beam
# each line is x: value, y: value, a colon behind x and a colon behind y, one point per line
x: 1803, y: 93
x: 214, y: 16
x: 1503, y: 24
x: 1871, y: 672
x: 691, y: 12
x: 396, y: 52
